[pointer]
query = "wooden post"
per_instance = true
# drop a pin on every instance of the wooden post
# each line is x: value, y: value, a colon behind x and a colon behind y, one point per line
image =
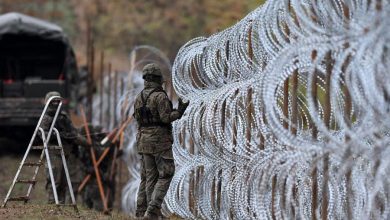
x: 327, y: 104
x: 101, y: 87
x: 285, y: 103
x: 115, y: 96
x: 327, y: 111
x: 249, y: 112
x: 294, y: 102
x: 88, y: 61
x: 347, y: 118
x: 108, y: 112
x: 249, y: 104
x: 192, y: 175
x: 91, y: 81
x: 122, y: 85
x: 122, y: 139
x: 314, y: 174
x: 192, y: 182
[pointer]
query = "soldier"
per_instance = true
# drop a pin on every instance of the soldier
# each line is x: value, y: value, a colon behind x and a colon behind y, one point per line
x: 91, y: 195
x: 69, y: 137
x: 154, y: 114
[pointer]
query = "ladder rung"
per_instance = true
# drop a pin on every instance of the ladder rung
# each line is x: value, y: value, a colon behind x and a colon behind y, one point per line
x: 32, y: 164
x: 22, y: 198
x: 49, y: 147
x: 27, y: 181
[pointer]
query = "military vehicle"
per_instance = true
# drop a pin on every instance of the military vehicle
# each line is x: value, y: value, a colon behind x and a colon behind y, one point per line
x: 35, y: 58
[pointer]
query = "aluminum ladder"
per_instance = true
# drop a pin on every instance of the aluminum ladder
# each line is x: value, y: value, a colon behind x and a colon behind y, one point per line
x: 45, y: 147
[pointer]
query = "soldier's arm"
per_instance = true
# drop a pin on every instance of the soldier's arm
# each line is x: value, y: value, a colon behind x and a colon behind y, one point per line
x: 68, y: 131
x: 165, y: 110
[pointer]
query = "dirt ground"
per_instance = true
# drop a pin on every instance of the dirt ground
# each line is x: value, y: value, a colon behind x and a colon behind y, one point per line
x: 37, y: 207
x: 51, y: 212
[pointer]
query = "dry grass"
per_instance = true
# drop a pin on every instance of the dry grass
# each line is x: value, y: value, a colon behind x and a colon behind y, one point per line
x: 20, y: 211
x: 37, y: 207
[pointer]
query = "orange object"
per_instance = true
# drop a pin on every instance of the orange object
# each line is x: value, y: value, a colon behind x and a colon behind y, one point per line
x: 93, y: 156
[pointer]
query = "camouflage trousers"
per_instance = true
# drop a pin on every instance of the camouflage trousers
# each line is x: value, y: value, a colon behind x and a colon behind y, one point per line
x: 157, y: 171
x: 92, y: 198
x: 76, y: 175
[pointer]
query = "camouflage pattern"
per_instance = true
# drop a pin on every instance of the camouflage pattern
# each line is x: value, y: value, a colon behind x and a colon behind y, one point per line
x: 159, y: 170
x: 91, y: 195
x: 70, y: 140
x: 142, y: 201
x: 76, y: 173
x: 155, y: 139
x: 154, y: 144
x: 151, y: 69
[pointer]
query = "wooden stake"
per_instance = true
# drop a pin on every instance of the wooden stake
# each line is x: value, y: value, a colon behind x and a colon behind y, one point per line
x: 314, y: 174
x: 115, y: 95
x: 285, y: 104
x: 327, y: 111
x: 294, y: 103
x: 91, y: 81
x: 93, y: 156
x: 101, y: 87
x: 108, y: 112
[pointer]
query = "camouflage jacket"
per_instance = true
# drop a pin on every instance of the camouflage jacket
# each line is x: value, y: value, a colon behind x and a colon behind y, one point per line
x: 69, y: 134
x: 158, y: 136
x: 86, y: 159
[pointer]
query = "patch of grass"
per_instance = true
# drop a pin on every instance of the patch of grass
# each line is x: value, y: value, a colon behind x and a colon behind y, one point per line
x: 52, y: 212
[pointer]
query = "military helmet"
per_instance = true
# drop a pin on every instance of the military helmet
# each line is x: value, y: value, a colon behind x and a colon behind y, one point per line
x: 51, y: 94
x: 151, y: 69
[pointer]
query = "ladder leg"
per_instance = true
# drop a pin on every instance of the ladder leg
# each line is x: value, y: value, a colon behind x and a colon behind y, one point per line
x: 45, y: 152
x: 37, y: 128
x: 18, y: 172
x: 65, y: 168
x: 53, y: 183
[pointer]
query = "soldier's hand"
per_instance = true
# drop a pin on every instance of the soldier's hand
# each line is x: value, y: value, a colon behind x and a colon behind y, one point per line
x: 182, y: 106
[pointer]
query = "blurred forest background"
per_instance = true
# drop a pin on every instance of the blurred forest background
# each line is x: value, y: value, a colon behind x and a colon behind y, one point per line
x: 119, y: 25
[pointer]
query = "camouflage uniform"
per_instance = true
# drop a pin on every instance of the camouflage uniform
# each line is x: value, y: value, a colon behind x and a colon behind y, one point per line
x: 154, y: 142
x: 70, y: 138
x: 75, y: 172
x: 91, y: 194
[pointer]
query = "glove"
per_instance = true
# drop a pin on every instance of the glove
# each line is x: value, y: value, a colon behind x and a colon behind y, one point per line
x: 182, y: 106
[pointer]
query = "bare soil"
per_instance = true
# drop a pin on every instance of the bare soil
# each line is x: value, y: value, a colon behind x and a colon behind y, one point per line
x: 37, y: 207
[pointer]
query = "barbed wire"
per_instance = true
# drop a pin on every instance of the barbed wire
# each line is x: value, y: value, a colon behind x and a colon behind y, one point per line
x: 289, y: 115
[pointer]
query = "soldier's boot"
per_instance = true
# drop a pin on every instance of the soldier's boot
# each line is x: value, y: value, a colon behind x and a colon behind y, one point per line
x: 140, y: 213
x: 155, y: 215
